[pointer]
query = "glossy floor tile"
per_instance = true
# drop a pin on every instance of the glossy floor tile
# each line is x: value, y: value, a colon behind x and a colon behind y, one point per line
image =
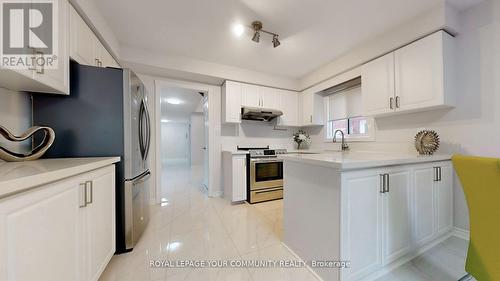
x: 188, y: 225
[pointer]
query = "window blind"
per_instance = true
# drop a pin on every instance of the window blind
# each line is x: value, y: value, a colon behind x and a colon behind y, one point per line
x: 345, y: 104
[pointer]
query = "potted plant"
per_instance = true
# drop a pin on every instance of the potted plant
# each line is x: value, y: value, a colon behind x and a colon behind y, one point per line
x: 301, y: 137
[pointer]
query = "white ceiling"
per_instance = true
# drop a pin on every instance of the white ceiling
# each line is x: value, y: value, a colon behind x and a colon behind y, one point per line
x: 190, y: 99
x: 312, y: 32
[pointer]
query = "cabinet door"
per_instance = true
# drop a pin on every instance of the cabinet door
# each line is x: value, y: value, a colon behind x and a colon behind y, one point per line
x: 377, y: 86
x: 363, y: 217
x: 444, y: 200
x: 312, y: 108
x: 250, y: 95
x: 289, y: 104
x: 419, y: 73
x: 58, y: 77
x: 231, y: 102
x: 423, y: 213
x: 82, y: 40
x: 239, y: 178
x: 100, y: 222
x: 397, y: 214
x: 40, y: 235
x: 270, y: 98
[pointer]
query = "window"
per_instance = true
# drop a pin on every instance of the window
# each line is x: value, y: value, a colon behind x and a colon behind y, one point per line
x: 344, y: 112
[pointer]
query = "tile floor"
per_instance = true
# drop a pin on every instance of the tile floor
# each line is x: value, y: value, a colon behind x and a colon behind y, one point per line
x: 190, y: 226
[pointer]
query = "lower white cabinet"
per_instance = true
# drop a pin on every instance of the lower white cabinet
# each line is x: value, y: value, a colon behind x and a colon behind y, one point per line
x: 234, y: 167
x: 393, y: 212
x: 56, y: 232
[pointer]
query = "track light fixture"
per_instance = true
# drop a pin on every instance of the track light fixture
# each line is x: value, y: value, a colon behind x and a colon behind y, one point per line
x: 257, y: 28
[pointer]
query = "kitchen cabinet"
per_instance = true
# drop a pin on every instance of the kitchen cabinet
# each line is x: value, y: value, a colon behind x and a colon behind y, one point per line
x: 377, y: 86
x: 433, y: 201
x: 259, y: 96
x: 74, y: 223
x: 235, y: 176
x: 231, y: 102
x: 250, y: 95
x: 392, y: 212
x: 41, y: 78
x: 85, y: 47
x: 363, y: 233
x: 311, y: 109
x: 416, y: 77
x: 289, y: 104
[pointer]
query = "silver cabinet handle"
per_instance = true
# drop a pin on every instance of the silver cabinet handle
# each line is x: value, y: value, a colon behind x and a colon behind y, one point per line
x: 96, y: 62
x: 311, y: 118
x: 387, y: 183
x: 382, y: 183
x: 391, y: 103
x: 83, y: 190
x: 439, y: 170
x: 89, y: 186
x: 437, y: 173
x: 397, y: 101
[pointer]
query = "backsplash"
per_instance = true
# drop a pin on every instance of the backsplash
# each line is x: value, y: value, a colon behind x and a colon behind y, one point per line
x: 15, y: 115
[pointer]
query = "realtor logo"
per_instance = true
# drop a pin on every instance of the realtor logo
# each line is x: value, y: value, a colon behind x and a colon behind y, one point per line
x: 28, y: 34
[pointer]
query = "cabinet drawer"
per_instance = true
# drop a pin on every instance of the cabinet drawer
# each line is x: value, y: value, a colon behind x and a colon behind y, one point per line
x: 266, y: 194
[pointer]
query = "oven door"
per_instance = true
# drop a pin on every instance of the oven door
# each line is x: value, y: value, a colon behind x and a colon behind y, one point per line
x: 266, y: 173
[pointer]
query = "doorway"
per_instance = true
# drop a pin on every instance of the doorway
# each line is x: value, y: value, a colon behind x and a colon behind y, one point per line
x: 183, y: 139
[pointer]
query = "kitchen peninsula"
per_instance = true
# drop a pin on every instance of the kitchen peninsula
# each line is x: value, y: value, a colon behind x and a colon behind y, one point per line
x: 373, y: 210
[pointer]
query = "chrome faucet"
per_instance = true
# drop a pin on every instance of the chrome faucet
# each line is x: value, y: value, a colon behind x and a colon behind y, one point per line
x: 344, y: 144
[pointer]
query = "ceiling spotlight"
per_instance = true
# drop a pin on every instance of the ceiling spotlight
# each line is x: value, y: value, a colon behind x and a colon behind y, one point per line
x: 276, y: 42
x: 257, y: 28
x: 256, y: 36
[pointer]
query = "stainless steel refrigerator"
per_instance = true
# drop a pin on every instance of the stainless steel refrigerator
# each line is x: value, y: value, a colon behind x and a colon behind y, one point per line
x: 106, y: 114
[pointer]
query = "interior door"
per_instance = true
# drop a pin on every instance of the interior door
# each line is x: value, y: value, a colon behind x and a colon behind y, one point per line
x: 206, y: 147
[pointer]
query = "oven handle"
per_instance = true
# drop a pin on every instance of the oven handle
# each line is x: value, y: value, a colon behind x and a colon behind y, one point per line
x: 269, y: 190
x: 266, y: 161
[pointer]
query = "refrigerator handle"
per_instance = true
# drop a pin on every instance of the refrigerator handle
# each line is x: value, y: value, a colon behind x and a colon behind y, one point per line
x: 148, y: 131
x: 141, y: 129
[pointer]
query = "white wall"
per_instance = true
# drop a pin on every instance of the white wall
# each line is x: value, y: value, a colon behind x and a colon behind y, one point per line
x: 15, y: 115
x: 197, y: 138
x: 251, y: 134
x: 473, y: 126
x: 175, y: 142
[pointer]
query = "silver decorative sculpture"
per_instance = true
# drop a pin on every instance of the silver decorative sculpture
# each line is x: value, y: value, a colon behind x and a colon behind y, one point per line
x: 426, y: 142
x: 35, y: 153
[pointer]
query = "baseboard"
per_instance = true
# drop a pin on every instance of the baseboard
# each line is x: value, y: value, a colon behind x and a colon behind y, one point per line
x: 307, y: 266
x: 461, y: 233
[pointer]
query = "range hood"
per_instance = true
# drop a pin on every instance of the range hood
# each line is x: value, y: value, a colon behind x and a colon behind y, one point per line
x: 259, y: 114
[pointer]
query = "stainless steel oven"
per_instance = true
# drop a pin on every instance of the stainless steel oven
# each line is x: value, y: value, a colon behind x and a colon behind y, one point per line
x: 266, y: 176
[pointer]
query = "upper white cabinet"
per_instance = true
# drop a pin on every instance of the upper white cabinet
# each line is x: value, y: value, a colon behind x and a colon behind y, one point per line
x: 250, y: 95
x: 231, y: 102
x: 416, y: 77
x: 41, y: 78
x: 311, y: 109
x: 259, y: 96
x: 85, y: 47
x: 235, y: 95
x: 377, y: 86
x: 289, y: 104
x: 62, y: 231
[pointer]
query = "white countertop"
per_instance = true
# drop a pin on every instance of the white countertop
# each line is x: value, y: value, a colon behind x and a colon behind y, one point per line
x: 17, y: 177
x: 235, y: 152
x: 362, y: 159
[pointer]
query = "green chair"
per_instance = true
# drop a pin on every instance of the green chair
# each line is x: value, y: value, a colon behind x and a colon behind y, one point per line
x: 480, y: 178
